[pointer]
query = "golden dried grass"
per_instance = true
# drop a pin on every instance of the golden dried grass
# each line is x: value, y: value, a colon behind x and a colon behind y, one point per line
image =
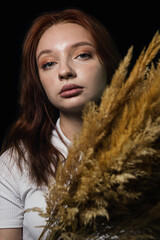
x: 115, y: 162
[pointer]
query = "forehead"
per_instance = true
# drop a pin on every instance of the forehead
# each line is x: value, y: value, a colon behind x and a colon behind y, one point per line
x: 63, y: 34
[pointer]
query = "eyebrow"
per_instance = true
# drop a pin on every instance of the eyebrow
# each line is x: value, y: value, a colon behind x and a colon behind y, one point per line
x: 79, y: 44
x: 75, y: 45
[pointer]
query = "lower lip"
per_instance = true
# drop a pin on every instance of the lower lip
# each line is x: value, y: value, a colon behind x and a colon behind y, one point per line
x: 71, y: 93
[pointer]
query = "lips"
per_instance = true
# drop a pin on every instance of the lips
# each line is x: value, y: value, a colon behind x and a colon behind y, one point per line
x: 70, y: 90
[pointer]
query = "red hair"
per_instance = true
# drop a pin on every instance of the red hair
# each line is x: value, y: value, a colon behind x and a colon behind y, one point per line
x: 34, y: 127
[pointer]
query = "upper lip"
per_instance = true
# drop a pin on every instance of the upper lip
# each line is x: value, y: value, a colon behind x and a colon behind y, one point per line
x: 69, y: 87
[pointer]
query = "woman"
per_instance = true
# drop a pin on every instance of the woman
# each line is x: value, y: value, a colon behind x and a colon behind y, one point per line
x: 68, y: 59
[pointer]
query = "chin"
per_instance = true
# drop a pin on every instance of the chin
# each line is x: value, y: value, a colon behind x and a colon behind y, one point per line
x: 76, y: 105
x: 73, y: 109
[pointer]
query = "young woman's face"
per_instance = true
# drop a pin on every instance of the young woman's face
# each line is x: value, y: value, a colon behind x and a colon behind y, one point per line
x: 69, y: 68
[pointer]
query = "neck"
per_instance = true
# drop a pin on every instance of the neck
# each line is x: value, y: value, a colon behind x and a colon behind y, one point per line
x: 71, y: 124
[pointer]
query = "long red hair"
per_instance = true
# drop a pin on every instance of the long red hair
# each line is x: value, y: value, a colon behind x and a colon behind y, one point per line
x: 32, y: 132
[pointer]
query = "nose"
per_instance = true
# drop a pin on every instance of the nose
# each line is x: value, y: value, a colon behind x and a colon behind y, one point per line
x: 65, y: 71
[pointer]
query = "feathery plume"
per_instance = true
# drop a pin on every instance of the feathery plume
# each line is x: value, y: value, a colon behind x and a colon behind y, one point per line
x: 110, y: 182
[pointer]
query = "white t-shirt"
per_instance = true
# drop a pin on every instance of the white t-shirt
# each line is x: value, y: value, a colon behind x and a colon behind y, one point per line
x: 18, y: 193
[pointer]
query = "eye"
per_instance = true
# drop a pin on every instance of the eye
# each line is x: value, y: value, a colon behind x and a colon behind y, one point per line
x: 84, y: 56
x: 47, y: 65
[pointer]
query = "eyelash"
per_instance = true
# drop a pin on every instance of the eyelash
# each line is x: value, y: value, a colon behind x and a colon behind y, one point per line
x: 47, y: 65
x: 84, y: 56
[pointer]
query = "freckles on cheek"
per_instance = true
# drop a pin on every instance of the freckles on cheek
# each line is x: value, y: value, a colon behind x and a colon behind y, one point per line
x: 50, y: 87
x: 45, y: 81
x: 45, y: 85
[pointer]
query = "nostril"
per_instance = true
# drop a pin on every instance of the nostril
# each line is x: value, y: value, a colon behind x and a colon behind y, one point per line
x: 67, y: 75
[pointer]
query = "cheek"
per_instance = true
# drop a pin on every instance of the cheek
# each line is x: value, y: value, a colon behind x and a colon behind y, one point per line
x: 99, y: 79
x: 50, y: 89
x: 94, y: 73
x: 48, y: 82
x: 99, y: 85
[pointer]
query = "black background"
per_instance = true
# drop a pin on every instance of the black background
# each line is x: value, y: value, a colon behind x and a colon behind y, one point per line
x: 129, y: 22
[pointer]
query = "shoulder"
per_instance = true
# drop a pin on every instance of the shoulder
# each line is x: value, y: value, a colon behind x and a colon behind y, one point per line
x: 8, y: 163
x: 10, y: 193
x: 11, y: 176
x: 17, y: 193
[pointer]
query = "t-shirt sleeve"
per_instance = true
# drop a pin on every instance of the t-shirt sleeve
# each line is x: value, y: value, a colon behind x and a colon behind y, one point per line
x: 11, y: 207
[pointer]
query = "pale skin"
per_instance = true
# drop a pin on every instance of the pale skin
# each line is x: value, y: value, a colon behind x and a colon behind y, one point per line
x: 66, y: 55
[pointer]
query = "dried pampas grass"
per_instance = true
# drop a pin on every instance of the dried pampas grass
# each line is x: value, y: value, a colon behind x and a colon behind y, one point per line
x: 109, y: 185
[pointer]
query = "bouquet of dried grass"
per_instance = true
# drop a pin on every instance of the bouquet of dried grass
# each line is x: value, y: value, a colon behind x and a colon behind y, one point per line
x: 109, y: 185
